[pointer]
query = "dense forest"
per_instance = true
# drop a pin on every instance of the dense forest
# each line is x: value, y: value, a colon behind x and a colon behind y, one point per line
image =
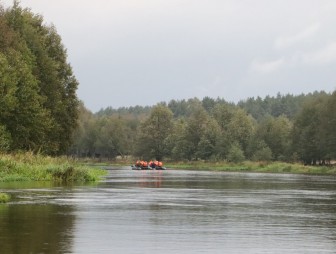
x: 40, y: 112
x: 282, y: 128
x: 38, y: 101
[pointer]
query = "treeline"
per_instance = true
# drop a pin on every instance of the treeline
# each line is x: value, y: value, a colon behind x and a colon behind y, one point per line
x: 281, y: 128
x: 38, y: 102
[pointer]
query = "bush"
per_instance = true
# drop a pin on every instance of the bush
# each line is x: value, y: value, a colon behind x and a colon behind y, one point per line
x: 4, y: 198
x: 264, y: 154
x: 236, y: 154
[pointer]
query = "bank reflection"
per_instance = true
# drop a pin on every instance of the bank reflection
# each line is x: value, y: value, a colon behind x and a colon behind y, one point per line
x: 36, y: 228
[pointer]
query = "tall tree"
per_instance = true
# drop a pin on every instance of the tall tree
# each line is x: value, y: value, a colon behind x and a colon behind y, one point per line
x: 275, y: 133
x: 153, y: 133
x: 240, y: 128
x: 306, y: 134
x: 45, y: 86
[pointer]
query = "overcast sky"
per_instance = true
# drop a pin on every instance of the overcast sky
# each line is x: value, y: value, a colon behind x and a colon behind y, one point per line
x: 140, y: 52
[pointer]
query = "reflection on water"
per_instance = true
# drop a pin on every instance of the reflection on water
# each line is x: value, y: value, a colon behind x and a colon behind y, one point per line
x: 35, y: 228
x: 174, y: 212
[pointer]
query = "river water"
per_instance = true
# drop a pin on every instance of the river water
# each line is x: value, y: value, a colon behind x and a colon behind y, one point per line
x: 172, y: 211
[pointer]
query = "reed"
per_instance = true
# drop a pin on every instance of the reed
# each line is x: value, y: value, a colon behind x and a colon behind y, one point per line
x: 30, y: 167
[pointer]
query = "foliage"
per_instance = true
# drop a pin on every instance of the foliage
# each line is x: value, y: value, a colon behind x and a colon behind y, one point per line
x: 263, y: 154
x: 4, y: 197
x: 214, y: 130
x: 236, y: 154
x: 5, y: 139
x: 38, y: 105
x: 307, y: 131
x: 153, y: 132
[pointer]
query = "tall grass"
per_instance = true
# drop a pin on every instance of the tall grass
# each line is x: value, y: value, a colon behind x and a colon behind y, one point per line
x: 30, y: 167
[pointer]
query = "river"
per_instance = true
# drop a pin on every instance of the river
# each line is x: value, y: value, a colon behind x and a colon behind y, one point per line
x: 172, y: 211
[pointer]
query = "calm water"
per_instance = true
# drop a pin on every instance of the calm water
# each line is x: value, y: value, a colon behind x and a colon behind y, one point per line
x: 173, y: 212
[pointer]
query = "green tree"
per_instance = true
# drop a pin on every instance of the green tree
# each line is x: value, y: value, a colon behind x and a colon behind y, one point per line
x: 206, y: 148
x: 43, y: 62
x: 153, y: 133
x: 327, y: 133
x: 306, y: 141
x: 240, y: 128
x: 223, y: 114
x: 275, y: 132
x: 236, y: 154
x: 180, y: 148
x: 195, y: 128
x: 261, y: 152
x: 5, y: 139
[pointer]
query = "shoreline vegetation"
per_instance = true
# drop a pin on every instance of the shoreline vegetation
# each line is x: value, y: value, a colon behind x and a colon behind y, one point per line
x: 30, y: 167
x: 21, y: 167
x: 257, y: 167
x: 246, y: 166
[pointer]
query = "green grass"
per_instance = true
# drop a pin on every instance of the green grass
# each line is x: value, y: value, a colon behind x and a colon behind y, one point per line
x: 4, y: 198
x: 249, y: 166
x: 30, y: 167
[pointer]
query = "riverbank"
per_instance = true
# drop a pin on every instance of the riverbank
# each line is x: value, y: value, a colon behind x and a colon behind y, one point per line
x: 247, y: 166
x: 30, y: 167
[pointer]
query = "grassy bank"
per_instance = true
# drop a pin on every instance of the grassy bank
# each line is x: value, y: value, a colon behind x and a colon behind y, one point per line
x: 29, y: 167
x: 248, y: 166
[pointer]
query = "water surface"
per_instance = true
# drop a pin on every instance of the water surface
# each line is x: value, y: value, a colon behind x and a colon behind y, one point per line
x: 173, y: 212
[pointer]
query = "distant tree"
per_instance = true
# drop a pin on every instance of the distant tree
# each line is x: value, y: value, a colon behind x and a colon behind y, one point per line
x: 206, y: 147
x: 78, y: 147
x: 195, y: 129
x: 5, y: 139
x: 236, y: 154
x: 275, y: 132
x: 305, y: 134
x: 153, y: 132
x: 180, y: 147
x: 262, y: 152
x: 327, y: 133
x: 110, y: 139
x: 208, y: 103
x: 240, y: 128
x: 223, y: 114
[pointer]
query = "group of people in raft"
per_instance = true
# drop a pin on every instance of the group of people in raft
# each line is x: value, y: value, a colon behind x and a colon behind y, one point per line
x: 152, y: 164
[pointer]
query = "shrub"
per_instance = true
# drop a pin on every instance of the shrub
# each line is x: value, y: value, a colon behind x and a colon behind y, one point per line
x: 264, y: 154
x: 4, y: 198
x: 236, y: 154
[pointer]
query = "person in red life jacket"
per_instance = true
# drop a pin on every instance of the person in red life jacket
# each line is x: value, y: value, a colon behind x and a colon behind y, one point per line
x: 151, y: 164
x: 160, y: 164
x: 138, y: 163
x: 145, y: 164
